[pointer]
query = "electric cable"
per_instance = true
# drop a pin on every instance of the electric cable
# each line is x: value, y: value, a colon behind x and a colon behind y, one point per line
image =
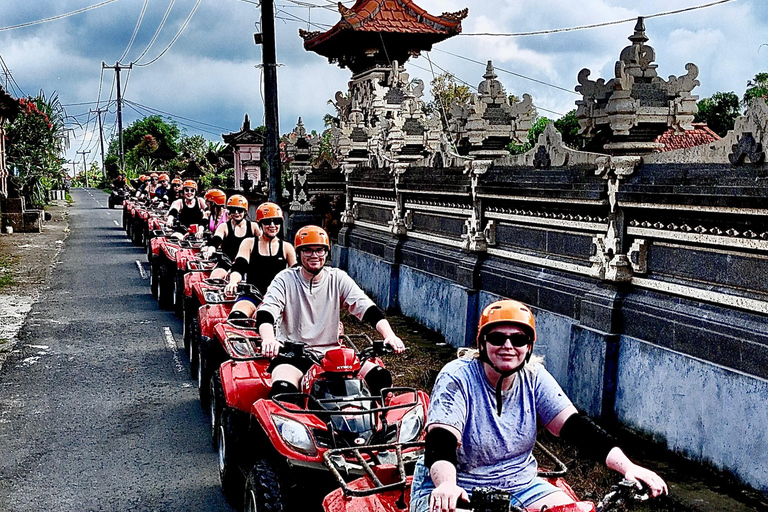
x: 14, y: 85
x: 175, y: 115
x: 183, y: 26
x: 135, y: 31
x: 596, y: 25
x: 157, y: 32
x: 57, y: 17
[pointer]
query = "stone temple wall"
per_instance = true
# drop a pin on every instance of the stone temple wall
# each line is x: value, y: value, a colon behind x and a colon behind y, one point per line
x: 648, y: 274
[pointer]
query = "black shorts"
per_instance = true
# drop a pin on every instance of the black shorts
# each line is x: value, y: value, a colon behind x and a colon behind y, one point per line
x: 225, y: 266
x: 303, y: 364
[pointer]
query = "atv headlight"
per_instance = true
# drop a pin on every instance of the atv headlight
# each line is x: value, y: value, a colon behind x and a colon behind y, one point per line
x: 411, y: 425
x: 295, y: 434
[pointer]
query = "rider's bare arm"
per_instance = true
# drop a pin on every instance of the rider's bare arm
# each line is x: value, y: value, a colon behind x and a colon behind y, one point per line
x: 594, y: 441
x: 241, y: 264
x: 390, y: 338
x: 269, y: 344
x: 215, y: 242
x: 440, y: 457
x: 290, y: 254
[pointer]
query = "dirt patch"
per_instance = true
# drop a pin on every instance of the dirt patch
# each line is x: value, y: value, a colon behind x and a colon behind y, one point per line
x: 26, y: 263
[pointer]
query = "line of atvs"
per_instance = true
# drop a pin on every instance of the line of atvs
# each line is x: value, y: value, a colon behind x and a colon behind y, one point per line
x: 334, y: 432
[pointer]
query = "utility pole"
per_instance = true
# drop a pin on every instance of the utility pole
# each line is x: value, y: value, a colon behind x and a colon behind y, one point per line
x: 98, y: 112
x: 117, y: 67
x: 269, y: 62
x: 85, y: 167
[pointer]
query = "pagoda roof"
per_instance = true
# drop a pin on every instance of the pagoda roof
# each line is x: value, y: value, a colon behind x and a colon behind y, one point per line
x: 700, y: 135
x: 244, y: 136
x: 401, y: 27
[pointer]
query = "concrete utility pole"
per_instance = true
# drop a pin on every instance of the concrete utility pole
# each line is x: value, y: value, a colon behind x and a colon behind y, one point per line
x: 269, y: 61
x: 117, y: 67
x: 98, y: 112
x: 85, y: 167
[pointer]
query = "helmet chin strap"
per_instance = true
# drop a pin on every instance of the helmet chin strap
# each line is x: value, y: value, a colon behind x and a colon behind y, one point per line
x: 502, y: 374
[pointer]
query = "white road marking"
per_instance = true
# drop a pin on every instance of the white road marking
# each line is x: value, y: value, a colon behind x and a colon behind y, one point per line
x: 39, y: 347
x: 116, y: 223
x: 172, y: 347
x: 142, y: 272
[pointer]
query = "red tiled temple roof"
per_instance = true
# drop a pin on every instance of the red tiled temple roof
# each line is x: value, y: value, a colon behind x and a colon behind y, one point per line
x: 391, y: 17
x: 700, y: 135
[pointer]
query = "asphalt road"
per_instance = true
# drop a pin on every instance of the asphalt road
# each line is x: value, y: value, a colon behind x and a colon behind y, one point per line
x: 96, y: 410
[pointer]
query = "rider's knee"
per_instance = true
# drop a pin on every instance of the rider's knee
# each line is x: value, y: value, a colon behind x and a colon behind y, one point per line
x: 378, y: 378
x: 280, y: 387
x: 236, y: 314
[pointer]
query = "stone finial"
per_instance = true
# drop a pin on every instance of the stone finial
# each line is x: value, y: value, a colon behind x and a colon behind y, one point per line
x: 246, y: 123
x: 490, y: 73
x: 636, y: 106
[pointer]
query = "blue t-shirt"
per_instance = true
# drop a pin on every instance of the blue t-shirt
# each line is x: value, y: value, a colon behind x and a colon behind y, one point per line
x: 495, y: 450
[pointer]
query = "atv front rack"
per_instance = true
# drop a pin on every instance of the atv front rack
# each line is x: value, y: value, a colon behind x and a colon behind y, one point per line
x: 320, y: 410
x: 383, y: 477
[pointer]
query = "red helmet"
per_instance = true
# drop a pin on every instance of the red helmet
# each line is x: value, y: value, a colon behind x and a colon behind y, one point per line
x: 216, y: 196
x: 163, y: 177
x: 143, y: 178
x: 507, y: 312
x: 312, y: 235
x: 238, y: 201
x: 268, y: 211
x: 190, y: 184
x: 176, y: 181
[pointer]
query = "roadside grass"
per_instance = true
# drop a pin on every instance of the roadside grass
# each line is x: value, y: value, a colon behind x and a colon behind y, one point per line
x: 6, y: 275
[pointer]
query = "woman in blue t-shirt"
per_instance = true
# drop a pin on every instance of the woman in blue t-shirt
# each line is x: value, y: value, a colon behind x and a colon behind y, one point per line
x: 483, y: 416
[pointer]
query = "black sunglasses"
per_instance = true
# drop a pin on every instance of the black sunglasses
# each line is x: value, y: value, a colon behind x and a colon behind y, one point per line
x: 267, y: 222
x: 497, y: 339
x: 236, y: 210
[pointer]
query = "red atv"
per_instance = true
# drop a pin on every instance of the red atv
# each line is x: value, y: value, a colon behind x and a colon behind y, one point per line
x: 386, y: 486
x: 169, y: 255
x: 197, y: 281
x: 274, y: 441
x: 215, y: 349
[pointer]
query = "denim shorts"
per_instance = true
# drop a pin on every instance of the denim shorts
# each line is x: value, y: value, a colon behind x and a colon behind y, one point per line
x: 422, y: 488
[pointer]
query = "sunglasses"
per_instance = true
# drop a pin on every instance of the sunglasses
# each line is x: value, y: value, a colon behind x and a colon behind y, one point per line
x: 497, y: 339
x: 267, y: 222
x: 189, y: 190
x: 236, y: 210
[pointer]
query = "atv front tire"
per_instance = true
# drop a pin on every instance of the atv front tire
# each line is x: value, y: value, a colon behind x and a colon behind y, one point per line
x: 264, y: 492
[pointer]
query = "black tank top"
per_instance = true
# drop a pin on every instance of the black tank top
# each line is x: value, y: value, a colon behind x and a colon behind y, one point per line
x: 231, y: 243
x: 262, y: 269
x: 189, y: 216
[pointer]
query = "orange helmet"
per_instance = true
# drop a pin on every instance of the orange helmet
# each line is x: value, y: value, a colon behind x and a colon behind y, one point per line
x: 507, y: 312
x: 143, y: 178
x: 311, y: 235
x: 238, y: 201
x: 268, y: 211
x: 216, y: 196
x: 176, y: 181
x: 190, y: 184
x: 163, y: 177
x: 153, y: 175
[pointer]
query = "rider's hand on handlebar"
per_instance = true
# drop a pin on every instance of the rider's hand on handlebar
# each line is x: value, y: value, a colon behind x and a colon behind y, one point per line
x: 270, y: 348
x: 655, y: 483
x: 207, y: 251
x: 230, y: 289
x: 445, y: 496
x: 396, y: 343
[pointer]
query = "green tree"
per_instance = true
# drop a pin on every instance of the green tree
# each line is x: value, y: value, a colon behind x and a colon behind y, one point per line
x: 533, y: 136
x: 757, y: 88
x: 446, y: 91
x: 568, y: 125
x: 164, y: 134
x: 719, y: 112
x: 36, y: 143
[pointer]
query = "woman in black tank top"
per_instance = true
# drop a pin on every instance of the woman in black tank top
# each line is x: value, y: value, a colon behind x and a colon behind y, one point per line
x: 187, y: 211
x: 260, y: 259
x: 226, y: 235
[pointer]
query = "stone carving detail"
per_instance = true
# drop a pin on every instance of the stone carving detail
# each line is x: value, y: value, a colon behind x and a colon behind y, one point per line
x: 638, y: 256
x: 490, y: 116
x: 541, y: 160
x: 301, y: 149
x: 636, y: 95
x: 747, y: 147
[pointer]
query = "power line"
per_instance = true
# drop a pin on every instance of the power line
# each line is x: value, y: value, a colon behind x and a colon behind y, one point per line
x: 175, y: 115
x: 9, y: 76
x: 509, y: 72
x: 157, y: 32
x: 58, y: 17
x: 183, y: 26
x: 135, y: 31
x: 596, y: 25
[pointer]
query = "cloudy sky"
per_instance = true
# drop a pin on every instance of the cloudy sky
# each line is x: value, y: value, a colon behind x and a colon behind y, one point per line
x: 208, y: 79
